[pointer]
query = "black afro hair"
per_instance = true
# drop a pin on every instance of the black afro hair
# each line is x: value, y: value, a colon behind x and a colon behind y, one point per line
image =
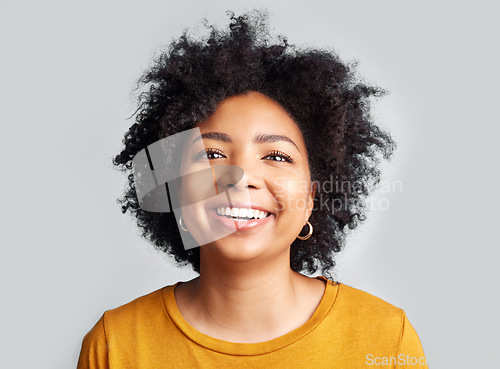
x: 325, y: 97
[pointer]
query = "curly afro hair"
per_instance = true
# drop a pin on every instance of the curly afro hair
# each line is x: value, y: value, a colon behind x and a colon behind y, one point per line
x: 324, y: 96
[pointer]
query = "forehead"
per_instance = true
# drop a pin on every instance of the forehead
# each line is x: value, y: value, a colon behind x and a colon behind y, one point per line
x: 242, y: 115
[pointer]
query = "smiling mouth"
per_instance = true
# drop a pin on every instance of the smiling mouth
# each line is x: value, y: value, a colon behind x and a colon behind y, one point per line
x: 242, y: 214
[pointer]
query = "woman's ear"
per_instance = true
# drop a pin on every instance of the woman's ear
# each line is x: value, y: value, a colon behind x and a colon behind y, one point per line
x: 310, y: 200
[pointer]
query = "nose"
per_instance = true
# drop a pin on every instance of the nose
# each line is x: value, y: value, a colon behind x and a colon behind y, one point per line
x: 236, y: 177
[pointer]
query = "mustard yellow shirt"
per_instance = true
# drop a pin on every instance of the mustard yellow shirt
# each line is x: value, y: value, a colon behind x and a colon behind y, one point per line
x: 349, y: 329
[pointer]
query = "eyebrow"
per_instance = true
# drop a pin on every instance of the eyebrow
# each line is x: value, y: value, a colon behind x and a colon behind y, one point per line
x: 258, y: 138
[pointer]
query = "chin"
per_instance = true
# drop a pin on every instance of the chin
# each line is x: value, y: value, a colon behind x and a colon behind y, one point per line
x: 236, y: 248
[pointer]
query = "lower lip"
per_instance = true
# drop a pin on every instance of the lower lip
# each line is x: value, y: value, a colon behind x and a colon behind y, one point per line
x: 243, y: 225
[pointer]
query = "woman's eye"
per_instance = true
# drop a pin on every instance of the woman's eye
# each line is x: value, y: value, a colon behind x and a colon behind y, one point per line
x: 282, y: 157
x: 211, y: 154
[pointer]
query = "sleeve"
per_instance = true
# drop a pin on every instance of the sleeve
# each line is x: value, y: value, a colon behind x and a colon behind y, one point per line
x: 94, y: 351
x: 411, y: 353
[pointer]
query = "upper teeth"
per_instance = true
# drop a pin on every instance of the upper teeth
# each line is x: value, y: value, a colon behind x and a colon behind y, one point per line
x: 242, y: 212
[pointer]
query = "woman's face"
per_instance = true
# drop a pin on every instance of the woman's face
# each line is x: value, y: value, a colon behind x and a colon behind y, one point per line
x: 254, y: 133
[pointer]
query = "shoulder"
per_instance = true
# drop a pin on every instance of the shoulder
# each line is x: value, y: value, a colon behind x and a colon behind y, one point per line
x: 128, y: 331
x: 368, y: 313
x: 138, y: 304
x: 362, y: 301
x: 143, y: 313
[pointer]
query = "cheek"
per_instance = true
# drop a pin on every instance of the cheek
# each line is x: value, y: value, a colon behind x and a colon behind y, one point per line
x: 197, y: 187
x: 189, y: 194
x: 291, y: 193
x: 195, y: 191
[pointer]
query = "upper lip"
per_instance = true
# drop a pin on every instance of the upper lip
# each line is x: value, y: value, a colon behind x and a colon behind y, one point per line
x: 238, y: 204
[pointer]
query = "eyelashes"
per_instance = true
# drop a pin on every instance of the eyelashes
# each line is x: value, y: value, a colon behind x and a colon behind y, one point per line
x: 212, y: 151
x: 280, y: 154
x: 275, y: 153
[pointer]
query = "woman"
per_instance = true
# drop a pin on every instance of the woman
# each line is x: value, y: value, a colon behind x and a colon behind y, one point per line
x: 233, y: 145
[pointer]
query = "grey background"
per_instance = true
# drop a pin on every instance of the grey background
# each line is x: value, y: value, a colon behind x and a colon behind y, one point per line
x: 68, y: 254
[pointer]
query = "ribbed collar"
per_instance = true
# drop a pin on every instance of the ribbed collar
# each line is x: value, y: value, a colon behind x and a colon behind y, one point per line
x: 259, y: 348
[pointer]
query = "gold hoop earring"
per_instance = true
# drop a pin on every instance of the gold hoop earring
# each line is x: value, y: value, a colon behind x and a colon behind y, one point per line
x: 309, y: 234
x: 182, y: 226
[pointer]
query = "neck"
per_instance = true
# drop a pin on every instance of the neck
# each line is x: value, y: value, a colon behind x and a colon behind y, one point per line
x: 250, y: 302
